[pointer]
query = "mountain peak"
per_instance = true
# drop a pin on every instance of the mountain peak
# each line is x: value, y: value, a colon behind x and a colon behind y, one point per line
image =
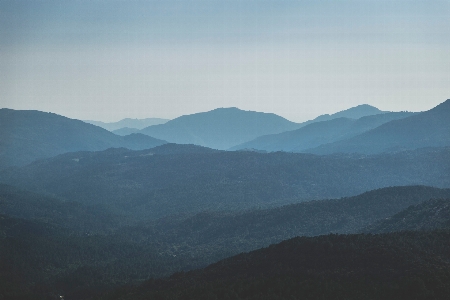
x: 220, y: 128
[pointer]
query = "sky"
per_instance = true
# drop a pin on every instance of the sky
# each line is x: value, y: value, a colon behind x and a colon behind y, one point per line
x: 112, y: 59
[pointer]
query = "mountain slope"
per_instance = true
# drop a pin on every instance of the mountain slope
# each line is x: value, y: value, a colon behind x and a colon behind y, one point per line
x: 29, y: 135
x: 319, y: 133
x: 427, y: 129
x: 220, y: 128
x: 130, y: 123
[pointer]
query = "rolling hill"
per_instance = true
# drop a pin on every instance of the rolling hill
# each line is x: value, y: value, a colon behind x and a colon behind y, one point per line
x: 321, y: 132
x: 427, y: 129
x: 26, y: 136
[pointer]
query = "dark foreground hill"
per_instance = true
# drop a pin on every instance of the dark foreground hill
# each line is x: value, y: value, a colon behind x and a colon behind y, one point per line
x: 189, y: 179
x: 406, y: 265
x: 431, y: 214
x: 319, y: 133
x: 428, y: 129
x: 29, y: 135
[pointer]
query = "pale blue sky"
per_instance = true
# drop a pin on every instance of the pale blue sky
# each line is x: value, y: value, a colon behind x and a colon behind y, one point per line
x: 107, y: 60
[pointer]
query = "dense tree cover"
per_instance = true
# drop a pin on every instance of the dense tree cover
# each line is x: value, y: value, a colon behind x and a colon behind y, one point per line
x: 405, y: 265
x: 181, y: 178
x: 65, y: 248
x: 431, y: 214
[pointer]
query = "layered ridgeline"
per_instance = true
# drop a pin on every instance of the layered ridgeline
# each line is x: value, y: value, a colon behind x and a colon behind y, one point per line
x: 319, y: 133
x: 427, y: 129
x: 132, y: 124
x: 431, y: 214
x: 223, y: 128
x: 184, y: 178
x: 61, y: 247
x: 29, y: 135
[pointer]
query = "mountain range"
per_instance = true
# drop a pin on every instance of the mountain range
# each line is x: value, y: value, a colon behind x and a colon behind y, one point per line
x: 90, y: 214
x: 224, y: 128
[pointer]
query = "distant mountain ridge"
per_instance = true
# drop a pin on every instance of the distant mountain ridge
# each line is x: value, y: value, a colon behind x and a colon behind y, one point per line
x: 220, y: 128
x: 128, y: 122
x: 321, y: 132
x: 27, y: 135
x: 427, y: 129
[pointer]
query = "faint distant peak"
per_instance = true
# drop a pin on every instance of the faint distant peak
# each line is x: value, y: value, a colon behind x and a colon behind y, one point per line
x: 356, y: 112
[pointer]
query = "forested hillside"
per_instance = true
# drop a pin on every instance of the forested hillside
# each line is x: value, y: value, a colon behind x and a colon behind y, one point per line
x: 406, y: 265
x: 428, y: 215
x: 181, y: 178
x: 80, y: 251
